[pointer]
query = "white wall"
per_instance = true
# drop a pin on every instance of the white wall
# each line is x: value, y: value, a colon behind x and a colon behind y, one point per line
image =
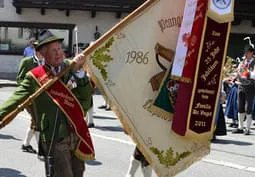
x: 85, y: 23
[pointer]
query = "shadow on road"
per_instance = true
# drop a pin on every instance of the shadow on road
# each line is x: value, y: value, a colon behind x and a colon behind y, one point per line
x: 229, y: 130
x: 103, y: 117
x: 93, y: 163
x: 8, y: 85
x: 8, y: 137
x: 7, y: 172
x: 240, y: 143
x: 110, y: 128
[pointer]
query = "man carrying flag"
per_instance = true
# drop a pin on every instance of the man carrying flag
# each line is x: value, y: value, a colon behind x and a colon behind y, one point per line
x: 63, y: 132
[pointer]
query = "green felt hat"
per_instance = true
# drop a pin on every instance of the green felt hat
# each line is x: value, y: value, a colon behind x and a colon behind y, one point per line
x: 46, y: 37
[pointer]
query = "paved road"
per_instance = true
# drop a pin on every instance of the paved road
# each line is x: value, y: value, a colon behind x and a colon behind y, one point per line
x: 231, y: 155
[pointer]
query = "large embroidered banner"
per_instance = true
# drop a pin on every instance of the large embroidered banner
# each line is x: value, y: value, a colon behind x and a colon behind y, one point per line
x: 131, y: 65
x: 186, y: 78
x: 195, y: 119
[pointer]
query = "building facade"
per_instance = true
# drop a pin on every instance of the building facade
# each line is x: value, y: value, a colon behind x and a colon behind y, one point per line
x: 242, y: 26
x: 21, y: 20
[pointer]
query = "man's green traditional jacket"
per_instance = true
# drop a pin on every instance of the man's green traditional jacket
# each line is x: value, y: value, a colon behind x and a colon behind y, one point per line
x: 46, y: 109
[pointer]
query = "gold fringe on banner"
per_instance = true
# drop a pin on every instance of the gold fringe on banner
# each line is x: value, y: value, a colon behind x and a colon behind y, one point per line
x: 160, y: 112
x: 204, y: 150
x: 220, y: 18
x: 126, y: 127
x: 182, y: 79
x: 82, y: 156
x: 207, y: 135
x: 224, y: 18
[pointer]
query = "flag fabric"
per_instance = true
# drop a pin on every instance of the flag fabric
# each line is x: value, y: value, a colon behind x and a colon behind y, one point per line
x: 131, y: 65
x: 181, y: 74
x: 195, y: 120
x: 206, y: 84
x: 221, y: 11
x: 191, y: 14
x: 186, y: 74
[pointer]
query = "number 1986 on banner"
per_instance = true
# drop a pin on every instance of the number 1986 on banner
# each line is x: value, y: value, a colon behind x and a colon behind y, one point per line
x: 137, y: 56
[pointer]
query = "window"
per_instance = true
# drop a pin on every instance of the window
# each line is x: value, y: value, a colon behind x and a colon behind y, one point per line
x: 1, y: 3
x: 14, y: 37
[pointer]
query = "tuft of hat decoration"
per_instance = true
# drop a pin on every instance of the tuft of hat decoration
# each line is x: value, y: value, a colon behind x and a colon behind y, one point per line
x: 250, y: 47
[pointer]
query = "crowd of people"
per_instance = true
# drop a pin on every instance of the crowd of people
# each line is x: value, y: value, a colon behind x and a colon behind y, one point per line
x: 239, y: 90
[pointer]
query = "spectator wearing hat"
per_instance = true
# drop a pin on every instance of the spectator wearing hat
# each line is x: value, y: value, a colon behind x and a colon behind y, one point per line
x: 246, y: 90
x: 64, y: 135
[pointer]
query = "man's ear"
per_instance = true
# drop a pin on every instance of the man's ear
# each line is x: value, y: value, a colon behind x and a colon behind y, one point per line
x: 43, y: 50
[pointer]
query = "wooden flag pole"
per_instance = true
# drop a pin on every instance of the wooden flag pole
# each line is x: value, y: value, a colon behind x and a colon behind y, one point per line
x: 86, y: 52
